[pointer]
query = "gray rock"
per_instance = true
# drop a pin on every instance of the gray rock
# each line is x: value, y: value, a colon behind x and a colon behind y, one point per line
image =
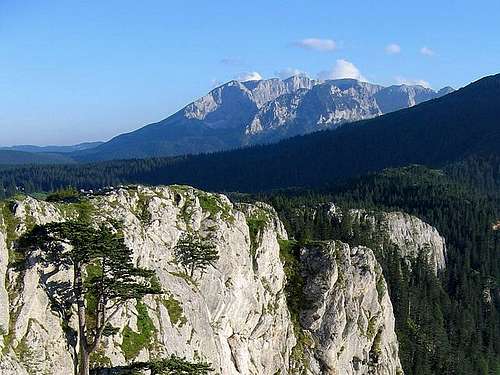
x: 350, y: 314
x: 234, y: 316
x: 253, y: 112
x: 394, y: 98
x: 412, y: 236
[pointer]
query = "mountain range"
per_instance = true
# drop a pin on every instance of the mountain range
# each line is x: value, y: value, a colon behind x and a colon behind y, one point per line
x: 31, y: 154
x: 14, y: 157
x: 55, y: 149
x: 434, y: 133
x: 256, y: 112
x: 239, y: 114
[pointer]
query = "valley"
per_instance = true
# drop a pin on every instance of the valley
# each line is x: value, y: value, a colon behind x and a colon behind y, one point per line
x: 249, y: 188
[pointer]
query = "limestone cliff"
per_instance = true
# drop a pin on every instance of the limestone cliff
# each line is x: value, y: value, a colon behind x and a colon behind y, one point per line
x: 349, y: 314
x: 411, y: 235
x: 236, y: 315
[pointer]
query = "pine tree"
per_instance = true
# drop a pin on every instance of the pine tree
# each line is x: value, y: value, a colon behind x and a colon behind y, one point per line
x: 171, y: 366
x: 104, y: 277
x: 195, y: 254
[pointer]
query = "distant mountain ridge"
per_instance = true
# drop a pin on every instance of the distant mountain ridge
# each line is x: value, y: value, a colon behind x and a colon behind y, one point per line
x: 54, y: 149
x: 256, y: 112
x: 11, y: 157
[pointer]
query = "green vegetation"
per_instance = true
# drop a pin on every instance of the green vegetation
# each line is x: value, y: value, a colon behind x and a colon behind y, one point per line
x: 256, y: 222
x: 195, y: 254
x: 370, y: 331
x: 104, y: 280
x: 376, y: 350
x: 295, y: 298
x: 170, y: 366
x: 213, y: 204
x: 83, y: 210
x: 25, y: 355
x: 380, y: 286
x: 10, y: 223
x: 99, y: 359
x: 142, y: 209
x: 66, y: 195
x: 175, y: 311
x: 186, y: 212
x: 133, y: 342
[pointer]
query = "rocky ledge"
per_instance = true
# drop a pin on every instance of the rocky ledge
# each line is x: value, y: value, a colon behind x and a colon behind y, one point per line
x: 322, y: 308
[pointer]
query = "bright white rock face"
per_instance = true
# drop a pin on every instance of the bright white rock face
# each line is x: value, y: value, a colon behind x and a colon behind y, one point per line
x: 412, y: 236
x: 330, y: 104
x: 350, y: 314
x: 235, y: 316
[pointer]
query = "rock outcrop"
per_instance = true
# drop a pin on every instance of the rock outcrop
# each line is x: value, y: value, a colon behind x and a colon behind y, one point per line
x: 235, y: 315
x: 349, y: 314
x: 241, y: 113
x: 412, y: 236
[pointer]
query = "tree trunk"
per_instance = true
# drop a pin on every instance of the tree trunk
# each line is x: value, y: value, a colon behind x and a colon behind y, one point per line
x: 84, y: 362
x: 191, y: 274
x: 84, y: 357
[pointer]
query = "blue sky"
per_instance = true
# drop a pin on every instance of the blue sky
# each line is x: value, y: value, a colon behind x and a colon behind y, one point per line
x: 73, y: 71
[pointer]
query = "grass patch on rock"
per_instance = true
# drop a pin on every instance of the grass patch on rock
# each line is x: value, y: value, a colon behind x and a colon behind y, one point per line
x: 10, y: 223
x: 256, y: 222
x: 175, y: 310
x: 133, y: 342
x: 295, y: 299
x: 214, y: 205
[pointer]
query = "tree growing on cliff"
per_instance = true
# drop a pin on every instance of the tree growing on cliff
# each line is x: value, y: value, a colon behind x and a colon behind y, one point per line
x: 170, y: 366
x: 193, y: 253
x: 104, y: 277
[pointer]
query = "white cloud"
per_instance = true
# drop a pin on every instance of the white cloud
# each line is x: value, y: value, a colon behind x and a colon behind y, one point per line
x: 322, y: 45
x: 216, y: 82
x: 289, y: 72
x: 393, y: 49
x: 342, y: 69
x: 249, y: 76
x: 412, y: 82
x: 426, y: 51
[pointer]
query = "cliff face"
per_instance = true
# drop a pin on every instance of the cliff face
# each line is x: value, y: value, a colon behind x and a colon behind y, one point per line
x: 235, y: 316
x: 350, y: 314
x: 412, y: 236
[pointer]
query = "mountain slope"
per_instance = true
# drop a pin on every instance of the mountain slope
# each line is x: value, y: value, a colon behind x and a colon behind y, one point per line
x: 213, y: 122
x: 9, y: 157
x: 329, y: 105
x: 433, y: 133
x: 53, y: 149
x: 254, y: 112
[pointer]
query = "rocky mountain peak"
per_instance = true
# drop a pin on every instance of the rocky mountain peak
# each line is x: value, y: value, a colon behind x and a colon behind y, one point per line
x: 446, y: 90
x: 262, y: 111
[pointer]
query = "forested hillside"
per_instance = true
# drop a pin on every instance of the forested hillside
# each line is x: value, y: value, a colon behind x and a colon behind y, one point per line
x: 15, y: 157
x: 447, y: 324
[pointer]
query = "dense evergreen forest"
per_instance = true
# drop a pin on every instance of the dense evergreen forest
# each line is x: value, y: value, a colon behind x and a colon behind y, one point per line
x: 448, y: 324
